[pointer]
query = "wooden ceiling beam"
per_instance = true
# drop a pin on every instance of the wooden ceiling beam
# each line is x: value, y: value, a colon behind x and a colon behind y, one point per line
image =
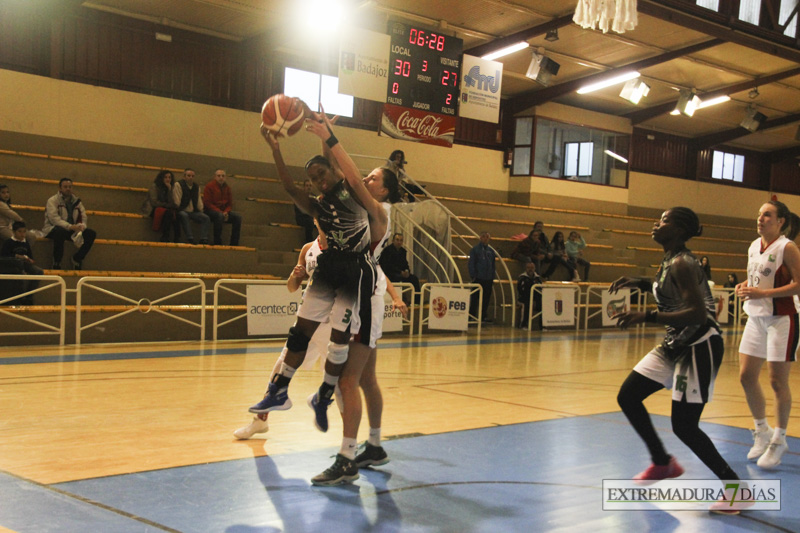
x: 639, y: 116
x: 538, y: 97
x: 524, y: 35
x: 721, y: 137
x: 673, y: 15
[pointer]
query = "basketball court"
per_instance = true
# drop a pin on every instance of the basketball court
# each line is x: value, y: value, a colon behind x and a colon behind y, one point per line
x: 506, y: 431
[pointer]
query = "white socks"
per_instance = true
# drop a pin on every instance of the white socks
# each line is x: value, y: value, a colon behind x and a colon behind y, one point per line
x: 374, y: 436
x: 761, y: 424
x: 349, y: 448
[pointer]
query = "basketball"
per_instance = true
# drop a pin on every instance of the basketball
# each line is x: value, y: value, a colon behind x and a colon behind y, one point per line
x: 283, y: 115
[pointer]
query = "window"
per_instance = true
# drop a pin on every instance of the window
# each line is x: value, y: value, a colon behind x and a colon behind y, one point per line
x: 578, y: 159
x: 749, y: 11
x: 523, y: 136
x: 727, y: 166
x: 787, y: 8
x: 313, y: 88
x: 713, y: 5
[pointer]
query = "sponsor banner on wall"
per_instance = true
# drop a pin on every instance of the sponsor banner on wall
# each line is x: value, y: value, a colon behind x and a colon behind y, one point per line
x: 613, y: 304
x: 449, y: 309
x: 721, y: 300
x: 271, y: 309
x: 481, y: 81
x: 364, y: 64
x: 392, y: 318
x: 418, y: 126
x: 558, y: 307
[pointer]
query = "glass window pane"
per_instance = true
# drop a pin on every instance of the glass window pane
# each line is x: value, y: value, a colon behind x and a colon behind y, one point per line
x: 333, y: 102
x: 524, y: 131
x: 586, y: 156
x: 571, y: 159
x: 522, y: 162
x: 304, y: 85
x: 727, y: 167
x: 787, y: 6
x: 709, y: 4
x: 716, y: 165
x: 749, y: 11
x: 738, y: 168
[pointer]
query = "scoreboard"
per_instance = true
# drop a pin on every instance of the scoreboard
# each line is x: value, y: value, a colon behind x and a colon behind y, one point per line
x: 424, y: 69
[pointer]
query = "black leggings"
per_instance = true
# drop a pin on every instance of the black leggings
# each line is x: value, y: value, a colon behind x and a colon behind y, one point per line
x: 685, y: 424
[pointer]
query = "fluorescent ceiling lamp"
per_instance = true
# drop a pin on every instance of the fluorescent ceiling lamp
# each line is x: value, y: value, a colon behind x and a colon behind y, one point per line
x: 615, y: 156
x: 634, y: 90
x: 608, y: 82
x: 713, y: 101
x: 507, y: 50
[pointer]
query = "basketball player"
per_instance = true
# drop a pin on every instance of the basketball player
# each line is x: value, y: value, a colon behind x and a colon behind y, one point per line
x: 306, y: 264
x: 343, y: 273
x: 771, y: 333
x: 688, y: 358
x: 381, y: 185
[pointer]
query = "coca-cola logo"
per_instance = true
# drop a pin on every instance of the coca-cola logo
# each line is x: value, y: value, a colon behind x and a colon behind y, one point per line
x: 427, y: 126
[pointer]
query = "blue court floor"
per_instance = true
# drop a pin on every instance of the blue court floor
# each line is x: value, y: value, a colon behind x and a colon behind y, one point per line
x: 539, y: 476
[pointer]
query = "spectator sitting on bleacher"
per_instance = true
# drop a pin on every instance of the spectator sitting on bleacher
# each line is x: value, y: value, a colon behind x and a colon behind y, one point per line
x: 218, y: 202
x: 303, y: 220
x: 574, y: 245
x: 394, y: 263
x: 165, y: 210
x: 558, y: 256
x: 17, y: 247
x: 530, y: 250
x: 65, y: 218
x: 525, y: 283
x: 7, y: 215
x: 186, y: 195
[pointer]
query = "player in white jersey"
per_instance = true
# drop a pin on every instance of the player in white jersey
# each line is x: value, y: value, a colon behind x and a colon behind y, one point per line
x: 688, y: 358
x: 317, y: 347
x: 380, y: 185
x: 771, y: 333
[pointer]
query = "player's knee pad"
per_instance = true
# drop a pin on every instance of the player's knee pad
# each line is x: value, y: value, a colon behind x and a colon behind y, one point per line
x: 297, y: 341
x: 337, y: 353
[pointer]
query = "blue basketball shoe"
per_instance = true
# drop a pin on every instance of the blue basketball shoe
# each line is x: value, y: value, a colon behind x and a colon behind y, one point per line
x: 274, y: 400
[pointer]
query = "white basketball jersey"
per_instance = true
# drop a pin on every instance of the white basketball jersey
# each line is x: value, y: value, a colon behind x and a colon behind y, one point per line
x: 377, y: 247
x: 766, y: 270
x: 311, y: 257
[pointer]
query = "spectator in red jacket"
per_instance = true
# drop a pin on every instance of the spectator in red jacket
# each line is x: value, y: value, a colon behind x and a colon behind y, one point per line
x: 217, y: 203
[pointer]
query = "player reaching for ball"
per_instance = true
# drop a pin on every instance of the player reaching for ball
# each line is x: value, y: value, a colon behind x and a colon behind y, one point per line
x: 345, y: 275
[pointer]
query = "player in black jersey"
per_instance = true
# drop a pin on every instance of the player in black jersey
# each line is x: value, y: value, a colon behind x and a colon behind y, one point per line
x: 686, y: 361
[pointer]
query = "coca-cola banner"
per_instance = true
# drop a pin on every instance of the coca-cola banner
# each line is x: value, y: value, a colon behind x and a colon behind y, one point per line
x: 418, y: 126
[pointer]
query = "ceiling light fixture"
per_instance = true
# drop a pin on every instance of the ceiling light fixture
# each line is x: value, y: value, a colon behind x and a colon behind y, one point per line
x: 542, y: 68
x: 713, y: 101
x: 752, y: 119
x: 687, y: 103
x: 615, y: 156
x: 608, y: 82
x: 634, y: 90
x: 753, y: 94
x: 552, y: 35
x: 506, y: 51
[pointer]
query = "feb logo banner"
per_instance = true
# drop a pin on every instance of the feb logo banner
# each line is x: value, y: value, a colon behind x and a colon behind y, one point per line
x: 614, y: 304
x: 449, y: 309
x: 418, y: 126
x: 271, y: 309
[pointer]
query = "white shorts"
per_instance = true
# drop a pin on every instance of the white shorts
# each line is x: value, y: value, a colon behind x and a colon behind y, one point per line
x: 377, y: 305
x: 773, y: 338
x: 692, y: 377
x: 321, y: 304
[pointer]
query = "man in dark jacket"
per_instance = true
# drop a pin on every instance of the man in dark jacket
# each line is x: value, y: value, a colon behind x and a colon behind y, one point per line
x: 482, y: 271
x: 395, y: 264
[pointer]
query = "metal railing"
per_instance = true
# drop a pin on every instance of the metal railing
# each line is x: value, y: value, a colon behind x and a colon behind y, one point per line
x: 143, y: 305
x: 461, y: 246
x: 47, y: 329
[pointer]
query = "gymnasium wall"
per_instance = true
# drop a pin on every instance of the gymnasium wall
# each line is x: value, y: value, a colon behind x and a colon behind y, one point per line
x: 44, y: 106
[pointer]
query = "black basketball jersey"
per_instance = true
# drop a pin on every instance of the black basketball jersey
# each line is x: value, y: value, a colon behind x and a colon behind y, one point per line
x: 343, y: 220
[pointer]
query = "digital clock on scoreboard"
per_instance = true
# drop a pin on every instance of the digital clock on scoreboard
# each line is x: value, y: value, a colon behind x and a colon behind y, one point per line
x: 424, y: 69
